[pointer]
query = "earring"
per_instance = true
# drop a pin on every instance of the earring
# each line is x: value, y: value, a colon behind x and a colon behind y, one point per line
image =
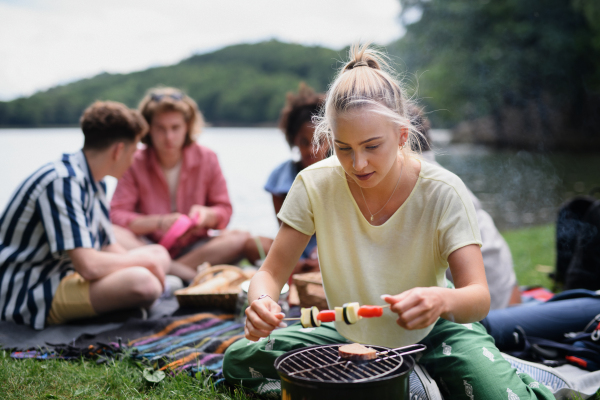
x: 404, y: 145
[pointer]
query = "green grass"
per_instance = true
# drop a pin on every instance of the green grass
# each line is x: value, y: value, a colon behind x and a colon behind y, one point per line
x: 531, y: 247
x: 118, y: 379
x: 122, y: 379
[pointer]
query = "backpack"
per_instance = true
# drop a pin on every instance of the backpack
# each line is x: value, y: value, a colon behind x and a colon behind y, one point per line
x: 578, y: 348
x: 578, y: 244
x: 564, y: 329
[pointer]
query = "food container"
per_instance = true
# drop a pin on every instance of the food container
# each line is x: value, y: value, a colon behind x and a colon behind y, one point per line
x: 215, y: 287
x: 310, y: 290
x: 242, y: 301
x: 317, y: 372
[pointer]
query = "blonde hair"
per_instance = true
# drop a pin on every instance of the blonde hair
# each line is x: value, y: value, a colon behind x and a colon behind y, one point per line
x: 366, y: 82
x: 166, y: 99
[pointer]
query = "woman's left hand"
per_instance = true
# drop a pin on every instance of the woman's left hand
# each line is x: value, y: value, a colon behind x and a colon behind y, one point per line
x: 417, y: 308
x: 204, y: 216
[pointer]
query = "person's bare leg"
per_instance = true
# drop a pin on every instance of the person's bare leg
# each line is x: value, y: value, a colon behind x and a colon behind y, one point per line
x: 228, y: 248
x: 127, y: 288
x: 515, y: 296
x: 126, y: 238
x: 130, y: 241
x: 158, y: 253
x: 251, y: 251
x: 182, y: 271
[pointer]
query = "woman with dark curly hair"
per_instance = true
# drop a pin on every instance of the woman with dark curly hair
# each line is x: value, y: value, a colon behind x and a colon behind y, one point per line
x: 296, y: 123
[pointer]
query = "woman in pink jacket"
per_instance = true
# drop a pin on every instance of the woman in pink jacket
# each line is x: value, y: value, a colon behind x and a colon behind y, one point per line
x: 174, y: 176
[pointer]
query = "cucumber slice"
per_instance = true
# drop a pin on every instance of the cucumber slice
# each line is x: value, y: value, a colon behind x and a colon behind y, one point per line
x: 305, y: 316
x: 351, y: 313
x: 345, y: 314
x: 314, y: 311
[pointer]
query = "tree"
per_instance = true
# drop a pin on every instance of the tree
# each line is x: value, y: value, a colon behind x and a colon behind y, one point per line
x: 242, y: 84
x: 528, y: 66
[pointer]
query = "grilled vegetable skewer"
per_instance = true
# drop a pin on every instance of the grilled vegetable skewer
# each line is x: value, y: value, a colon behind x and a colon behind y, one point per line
x: 350, y: 313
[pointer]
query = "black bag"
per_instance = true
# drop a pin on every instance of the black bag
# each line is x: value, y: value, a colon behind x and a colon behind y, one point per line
x: 578, y: 244
x: 579, y: 348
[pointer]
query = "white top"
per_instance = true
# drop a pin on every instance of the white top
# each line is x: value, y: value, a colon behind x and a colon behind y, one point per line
x: 360, y: 262
x: 172, y: 178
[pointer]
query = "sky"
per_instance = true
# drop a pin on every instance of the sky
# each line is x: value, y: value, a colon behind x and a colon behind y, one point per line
x: 52, y: 42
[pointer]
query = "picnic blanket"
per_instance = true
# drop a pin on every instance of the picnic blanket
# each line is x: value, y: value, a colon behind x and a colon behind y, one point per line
x: 23, y: 337
x: 190, y: 343
x: 176, y: 343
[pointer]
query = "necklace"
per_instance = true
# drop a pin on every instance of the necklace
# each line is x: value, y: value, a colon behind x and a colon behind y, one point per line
x: 386, y: 203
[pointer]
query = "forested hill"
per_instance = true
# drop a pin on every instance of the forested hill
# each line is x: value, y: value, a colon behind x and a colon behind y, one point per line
x: 238, y: 85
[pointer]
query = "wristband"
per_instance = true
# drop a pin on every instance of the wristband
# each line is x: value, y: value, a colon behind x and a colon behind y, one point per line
x: 262, y: 296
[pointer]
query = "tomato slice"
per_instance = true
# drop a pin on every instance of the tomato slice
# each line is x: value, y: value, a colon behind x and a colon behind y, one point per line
x: 326, y: 316
x: 370, y: 311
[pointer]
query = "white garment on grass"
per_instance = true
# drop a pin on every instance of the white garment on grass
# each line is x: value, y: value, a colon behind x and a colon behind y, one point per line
x: 497, y: 258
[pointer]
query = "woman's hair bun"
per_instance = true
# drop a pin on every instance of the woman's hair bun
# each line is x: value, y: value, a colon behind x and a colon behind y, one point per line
x: 364, y: 56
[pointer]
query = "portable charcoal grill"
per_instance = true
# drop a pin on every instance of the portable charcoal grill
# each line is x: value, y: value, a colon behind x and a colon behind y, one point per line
x: 318, y: 372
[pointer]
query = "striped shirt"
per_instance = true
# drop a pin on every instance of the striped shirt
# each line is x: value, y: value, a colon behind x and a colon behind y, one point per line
x: 58, y: 208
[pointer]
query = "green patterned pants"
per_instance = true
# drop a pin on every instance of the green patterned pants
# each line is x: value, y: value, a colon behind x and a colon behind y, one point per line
x: 462, y: 358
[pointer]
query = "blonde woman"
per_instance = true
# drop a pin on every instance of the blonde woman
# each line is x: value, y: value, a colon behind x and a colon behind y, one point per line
x: 389, y: 225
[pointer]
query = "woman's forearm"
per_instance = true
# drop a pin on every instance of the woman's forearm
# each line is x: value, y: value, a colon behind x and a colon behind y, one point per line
x: 470, y: 301
x: 146, y: 224
x: 279, y: 264
x: 467, y: 304
x: 264, y: 283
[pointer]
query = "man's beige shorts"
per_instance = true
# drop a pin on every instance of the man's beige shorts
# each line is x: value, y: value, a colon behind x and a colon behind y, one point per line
x: 71, y: 300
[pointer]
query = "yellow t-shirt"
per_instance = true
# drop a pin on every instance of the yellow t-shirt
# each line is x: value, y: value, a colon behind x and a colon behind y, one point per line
x: 360, y: 262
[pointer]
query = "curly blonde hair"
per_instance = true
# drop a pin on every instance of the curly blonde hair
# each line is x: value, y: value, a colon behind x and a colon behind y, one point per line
x: 165, y: 99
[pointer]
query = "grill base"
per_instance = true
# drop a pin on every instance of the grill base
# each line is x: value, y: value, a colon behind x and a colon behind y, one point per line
x: 391, y: 389
x: 393, y: 385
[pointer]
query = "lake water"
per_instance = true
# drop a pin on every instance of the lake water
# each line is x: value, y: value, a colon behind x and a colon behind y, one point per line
x: 517, y: 188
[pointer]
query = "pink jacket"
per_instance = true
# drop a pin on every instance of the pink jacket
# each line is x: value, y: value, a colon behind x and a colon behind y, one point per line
x: 143, y: 189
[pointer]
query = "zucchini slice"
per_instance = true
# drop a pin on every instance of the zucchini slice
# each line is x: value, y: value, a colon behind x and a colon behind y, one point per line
x: 350, y: 313
x: 308, y: 317
x: 314, y: 311
x: 305, y: 316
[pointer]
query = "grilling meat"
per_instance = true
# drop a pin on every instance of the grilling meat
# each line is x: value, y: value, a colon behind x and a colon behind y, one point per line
x: 357, y: 352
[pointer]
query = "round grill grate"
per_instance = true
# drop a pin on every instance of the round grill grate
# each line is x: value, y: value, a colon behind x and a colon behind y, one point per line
x: 323, y: 364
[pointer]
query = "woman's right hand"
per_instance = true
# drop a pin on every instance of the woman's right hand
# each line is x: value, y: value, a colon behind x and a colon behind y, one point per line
x: 262, y: 317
